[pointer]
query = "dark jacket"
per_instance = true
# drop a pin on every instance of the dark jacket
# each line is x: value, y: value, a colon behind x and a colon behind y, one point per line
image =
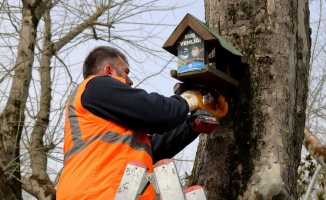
x: 165, y: 119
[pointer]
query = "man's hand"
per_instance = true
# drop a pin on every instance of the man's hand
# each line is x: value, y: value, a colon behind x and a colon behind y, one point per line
x: 194, y: 99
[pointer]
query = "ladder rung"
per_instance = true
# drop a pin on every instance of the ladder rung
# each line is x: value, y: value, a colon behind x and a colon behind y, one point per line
x: 168, y: 180
x: 132, y: 181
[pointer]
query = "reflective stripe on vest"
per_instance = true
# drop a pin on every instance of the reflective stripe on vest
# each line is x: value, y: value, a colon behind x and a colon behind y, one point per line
x: 109, y: 136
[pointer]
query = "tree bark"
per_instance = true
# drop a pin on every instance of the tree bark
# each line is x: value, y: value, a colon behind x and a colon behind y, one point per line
x: 6, y: 188
x: 256, y: 152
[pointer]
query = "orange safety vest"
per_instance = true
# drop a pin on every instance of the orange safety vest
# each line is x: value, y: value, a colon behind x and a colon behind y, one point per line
x: 96, y: 152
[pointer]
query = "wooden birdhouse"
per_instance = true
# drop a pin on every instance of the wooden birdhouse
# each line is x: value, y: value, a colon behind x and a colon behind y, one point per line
x: 204, y: 57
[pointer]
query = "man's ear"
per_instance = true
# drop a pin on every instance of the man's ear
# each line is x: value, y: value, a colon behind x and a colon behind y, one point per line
x: 108, y: 70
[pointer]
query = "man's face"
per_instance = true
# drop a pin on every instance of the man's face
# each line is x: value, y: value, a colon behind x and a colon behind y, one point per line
x: 123, y: 70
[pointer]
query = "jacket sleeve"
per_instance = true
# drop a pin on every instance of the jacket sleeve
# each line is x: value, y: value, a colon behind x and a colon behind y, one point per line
x: 172, y: 142
x: 134, y: 108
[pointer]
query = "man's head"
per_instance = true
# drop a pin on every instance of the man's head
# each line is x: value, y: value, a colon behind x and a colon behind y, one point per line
x: 105, y: 60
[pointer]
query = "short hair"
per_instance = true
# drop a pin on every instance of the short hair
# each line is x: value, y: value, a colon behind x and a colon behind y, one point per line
x: 100, y: 56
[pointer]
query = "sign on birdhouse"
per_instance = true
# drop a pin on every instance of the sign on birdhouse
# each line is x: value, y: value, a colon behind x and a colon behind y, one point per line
x: 190, y: 52
x: 204, y: 57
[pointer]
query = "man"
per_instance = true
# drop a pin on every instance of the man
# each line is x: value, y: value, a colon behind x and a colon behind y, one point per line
x: 109, y: 123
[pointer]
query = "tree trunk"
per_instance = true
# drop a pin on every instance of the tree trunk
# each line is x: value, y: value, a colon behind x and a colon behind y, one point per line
x: 255, y: 153
x: 12, y: 118
x: 39, y: 183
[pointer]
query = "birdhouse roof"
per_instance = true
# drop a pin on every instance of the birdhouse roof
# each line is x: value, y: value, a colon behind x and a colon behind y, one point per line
x: 202, y: 29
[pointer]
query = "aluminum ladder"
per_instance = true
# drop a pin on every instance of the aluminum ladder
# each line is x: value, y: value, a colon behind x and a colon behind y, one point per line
x: 165, y: 180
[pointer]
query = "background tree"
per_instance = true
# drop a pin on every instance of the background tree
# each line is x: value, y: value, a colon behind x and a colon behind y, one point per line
x: 257, y: 150
x: 37, y: 76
